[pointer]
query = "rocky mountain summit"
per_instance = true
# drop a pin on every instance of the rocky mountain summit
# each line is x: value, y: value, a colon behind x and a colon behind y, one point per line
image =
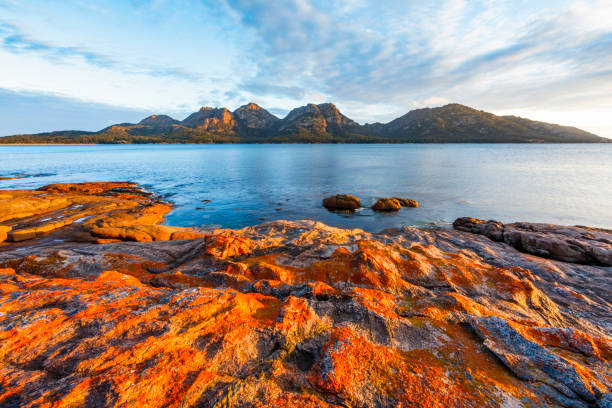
x: 101, y: 306
x: 159, y: 122
x: 323, y: 123
x: 253, y: 116
x: 318, y: 119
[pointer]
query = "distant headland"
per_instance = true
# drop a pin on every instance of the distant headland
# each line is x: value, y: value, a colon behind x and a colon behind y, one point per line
x: 323, y: 123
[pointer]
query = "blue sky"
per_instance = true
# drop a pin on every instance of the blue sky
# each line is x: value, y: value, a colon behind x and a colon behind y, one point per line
x: 82, y: 64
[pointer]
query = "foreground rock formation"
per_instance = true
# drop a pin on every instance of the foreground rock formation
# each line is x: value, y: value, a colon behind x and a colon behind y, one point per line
x: 291, y: 314
x: 571, y: 244
x: 96, y: 212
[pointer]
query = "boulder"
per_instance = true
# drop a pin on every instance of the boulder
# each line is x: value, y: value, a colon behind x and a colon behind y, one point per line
x: 492, y: 229
x: 407, y: 202
x: 342, y: 202
x: 387, y: 204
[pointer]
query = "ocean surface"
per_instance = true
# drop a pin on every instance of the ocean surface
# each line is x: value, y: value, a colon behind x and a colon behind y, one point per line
x: 238, y: 185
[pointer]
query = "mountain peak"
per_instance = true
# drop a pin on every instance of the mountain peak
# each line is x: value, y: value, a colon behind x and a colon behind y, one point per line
x: 158, y: 121
x: 328, y: 105
x: 211, y: 119
x: 252, y: 116
x: 252, y: 106
x: 321, y: 118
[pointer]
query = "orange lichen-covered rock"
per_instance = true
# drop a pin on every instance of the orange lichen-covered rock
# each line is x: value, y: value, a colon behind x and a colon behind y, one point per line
x: 288, y: 314
x: 95, y: 212
x: 92, y: 188
x: 4, y: 229
x: 227, y: 245
x: 116, y: 278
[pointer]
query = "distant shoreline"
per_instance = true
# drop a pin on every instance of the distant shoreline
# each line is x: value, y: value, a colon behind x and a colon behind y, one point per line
x: 286, y: 144
x: 305, y: 144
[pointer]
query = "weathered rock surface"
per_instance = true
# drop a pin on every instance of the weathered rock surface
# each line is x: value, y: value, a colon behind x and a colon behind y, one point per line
x: 342, y: 202
x: 86, y: 212
x: 571, y: 244
x: 387, y: 204
x: 299, y: 314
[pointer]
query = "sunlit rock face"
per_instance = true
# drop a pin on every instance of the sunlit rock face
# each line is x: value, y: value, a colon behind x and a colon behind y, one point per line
x: 215, y: 120
x: 290, y: 314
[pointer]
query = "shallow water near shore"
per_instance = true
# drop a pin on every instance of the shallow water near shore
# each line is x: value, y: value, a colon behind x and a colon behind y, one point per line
x: 249, y: 184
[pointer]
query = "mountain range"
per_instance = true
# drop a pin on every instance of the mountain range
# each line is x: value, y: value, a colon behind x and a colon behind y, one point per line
x: 323, y: 123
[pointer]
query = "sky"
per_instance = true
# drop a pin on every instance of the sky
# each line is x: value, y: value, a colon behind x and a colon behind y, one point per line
x: 84, y: 64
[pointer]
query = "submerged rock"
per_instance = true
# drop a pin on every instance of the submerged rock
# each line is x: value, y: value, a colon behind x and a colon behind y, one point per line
x: 342, y: 202
x: 296, y: 314
x: 13, y: 177
x: 387, y: 204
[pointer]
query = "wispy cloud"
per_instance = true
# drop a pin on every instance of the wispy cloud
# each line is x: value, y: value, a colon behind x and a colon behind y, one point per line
x: 262, y: 89
x: 14, y: 40
x: 468, y: 46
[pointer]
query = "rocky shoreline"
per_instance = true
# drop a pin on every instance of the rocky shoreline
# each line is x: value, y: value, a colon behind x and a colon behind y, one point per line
x: 100, y: 305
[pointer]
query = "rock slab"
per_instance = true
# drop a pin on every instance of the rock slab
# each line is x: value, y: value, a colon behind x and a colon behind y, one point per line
x: 592, y: 246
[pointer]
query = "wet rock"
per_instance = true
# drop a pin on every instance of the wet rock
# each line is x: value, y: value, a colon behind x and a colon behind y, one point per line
x: 570, y: 244
x: 387, y: 204
x: 407, y: 202
x: 342, y: 202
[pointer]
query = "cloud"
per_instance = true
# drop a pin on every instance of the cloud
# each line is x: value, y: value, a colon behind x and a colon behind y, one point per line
x: 405, y: 52
x: 14, y: 40
x: 262, y: 89
x: 375, y: 60
x: 435, y: 101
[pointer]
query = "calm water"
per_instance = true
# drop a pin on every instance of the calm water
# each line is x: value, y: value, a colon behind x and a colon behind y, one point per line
x: 248, y: 184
